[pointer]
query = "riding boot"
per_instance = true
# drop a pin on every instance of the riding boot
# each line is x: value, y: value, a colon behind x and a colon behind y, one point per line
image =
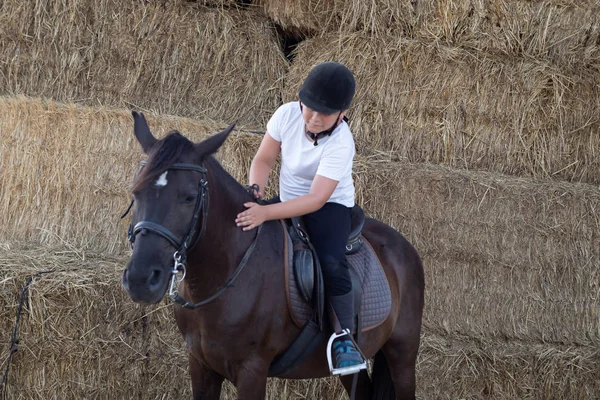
x: 343, y: 307
x: 348, y: 359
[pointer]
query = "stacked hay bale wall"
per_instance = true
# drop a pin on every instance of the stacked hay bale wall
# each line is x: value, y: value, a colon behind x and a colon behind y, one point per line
x: 163, y: 56
x: 447, y: 91
x: 511, y: 268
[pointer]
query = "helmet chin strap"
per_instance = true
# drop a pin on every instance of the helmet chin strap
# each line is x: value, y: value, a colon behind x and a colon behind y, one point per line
x: 320, y: 135
x: 316, y: 136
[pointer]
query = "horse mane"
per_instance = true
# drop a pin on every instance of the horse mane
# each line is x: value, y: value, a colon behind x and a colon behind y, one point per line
x: 161, y: 157
x: 165, y: 153
x: 227, y: 180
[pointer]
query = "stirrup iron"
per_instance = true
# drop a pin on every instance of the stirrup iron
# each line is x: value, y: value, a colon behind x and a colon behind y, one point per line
x: 353, y: 369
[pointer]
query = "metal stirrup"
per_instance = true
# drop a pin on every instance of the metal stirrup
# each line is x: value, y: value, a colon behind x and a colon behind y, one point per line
x: 345, y: 370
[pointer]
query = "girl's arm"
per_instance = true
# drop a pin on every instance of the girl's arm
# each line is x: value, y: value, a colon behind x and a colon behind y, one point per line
x: 320, y: 192
x: 263, y: 162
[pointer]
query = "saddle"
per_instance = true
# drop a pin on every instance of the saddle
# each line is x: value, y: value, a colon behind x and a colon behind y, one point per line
x: 305, y: 290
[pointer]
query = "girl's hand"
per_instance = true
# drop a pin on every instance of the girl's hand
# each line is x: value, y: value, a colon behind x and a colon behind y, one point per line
x: 255, y: 191
x: 252, y: 217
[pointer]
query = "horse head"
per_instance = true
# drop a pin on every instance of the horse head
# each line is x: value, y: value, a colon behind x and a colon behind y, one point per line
x: 170, y: 208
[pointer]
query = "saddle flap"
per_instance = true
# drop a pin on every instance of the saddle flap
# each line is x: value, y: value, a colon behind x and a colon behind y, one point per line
x: 304, y: 272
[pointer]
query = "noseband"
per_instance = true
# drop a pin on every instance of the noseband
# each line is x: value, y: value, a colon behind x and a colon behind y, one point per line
x: 182, y: 246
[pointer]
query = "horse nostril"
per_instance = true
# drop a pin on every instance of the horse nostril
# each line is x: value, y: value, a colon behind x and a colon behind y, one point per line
x: 124, y: 279
x: 155, y: 278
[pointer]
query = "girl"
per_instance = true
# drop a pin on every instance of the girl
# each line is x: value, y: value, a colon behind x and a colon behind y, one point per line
x: 317, y: 152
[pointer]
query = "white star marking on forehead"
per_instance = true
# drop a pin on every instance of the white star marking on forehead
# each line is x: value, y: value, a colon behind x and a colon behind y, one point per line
x: 162, y: 180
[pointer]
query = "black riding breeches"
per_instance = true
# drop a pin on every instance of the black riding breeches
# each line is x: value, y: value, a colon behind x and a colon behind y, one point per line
x: 328, y: 229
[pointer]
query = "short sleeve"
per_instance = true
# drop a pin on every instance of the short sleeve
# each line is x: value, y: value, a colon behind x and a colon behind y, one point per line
x: 275, y: 124
x: 337, y: 163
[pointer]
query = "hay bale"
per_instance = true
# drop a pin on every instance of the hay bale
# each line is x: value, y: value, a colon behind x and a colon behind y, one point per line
x: 81, y: 337
x: 80, y: 334
x: 564, y: 32
x: 169, y: 57
x: 66, y: 170
x: 314, y: 17
x: 458, y: 367
x: 214, y: 3
x: 504, y: 257
x: 473, y: 110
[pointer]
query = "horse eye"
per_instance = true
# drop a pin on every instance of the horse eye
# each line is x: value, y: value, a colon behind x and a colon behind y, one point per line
x: 190, y: 198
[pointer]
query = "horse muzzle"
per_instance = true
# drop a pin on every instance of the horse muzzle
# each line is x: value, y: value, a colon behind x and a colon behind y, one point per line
x: 145, y: 284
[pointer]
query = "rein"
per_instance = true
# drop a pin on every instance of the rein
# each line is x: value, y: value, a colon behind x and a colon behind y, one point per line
x: 182, y: 246
x: 174, y: 294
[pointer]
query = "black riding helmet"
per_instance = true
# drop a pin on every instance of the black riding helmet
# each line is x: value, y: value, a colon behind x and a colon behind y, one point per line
x: 328, y: 88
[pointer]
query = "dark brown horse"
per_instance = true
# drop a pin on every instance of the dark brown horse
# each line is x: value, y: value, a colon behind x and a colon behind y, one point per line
x: 185, y: 206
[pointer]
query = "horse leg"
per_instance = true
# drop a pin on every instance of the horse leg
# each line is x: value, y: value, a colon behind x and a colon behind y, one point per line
x: 251, y: 381
x: 401, y: 357
x: 363, y: 385
x: 206, y: 384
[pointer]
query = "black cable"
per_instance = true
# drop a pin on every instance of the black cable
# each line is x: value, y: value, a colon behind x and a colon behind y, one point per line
x: 14, y: 344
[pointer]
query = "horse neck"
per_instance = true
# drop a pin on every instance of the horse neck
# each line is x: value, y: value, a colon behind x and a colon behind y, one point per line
x: 219, y: 251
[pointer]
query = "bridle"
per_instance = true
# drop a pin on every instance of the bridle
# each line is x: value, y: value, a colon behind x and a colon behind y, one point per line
x: 185, y: 244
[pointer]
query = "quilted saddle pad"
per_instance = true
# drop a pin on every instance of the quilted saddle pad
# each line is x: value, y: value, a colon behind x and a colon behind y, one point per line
x: 376, y: 296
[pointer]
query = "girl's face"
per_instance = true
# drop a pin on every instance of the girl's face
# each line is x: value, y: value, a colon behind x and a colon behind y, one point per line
x: 317, y: 122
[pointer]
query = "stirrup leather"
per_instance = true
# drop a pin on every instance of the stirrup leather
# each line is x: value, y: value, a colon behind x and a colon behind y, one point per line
x: 344, y: 370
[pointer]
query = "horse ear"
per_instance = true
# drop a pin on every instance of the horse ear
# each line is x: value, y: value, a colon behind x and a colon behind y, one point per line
x: 142, y: 131
x: 212, y: 144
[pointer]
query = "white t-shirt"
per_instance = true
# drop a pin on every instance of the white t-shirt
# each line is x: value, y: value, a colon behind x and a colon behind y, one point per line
x: 301, y: 160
